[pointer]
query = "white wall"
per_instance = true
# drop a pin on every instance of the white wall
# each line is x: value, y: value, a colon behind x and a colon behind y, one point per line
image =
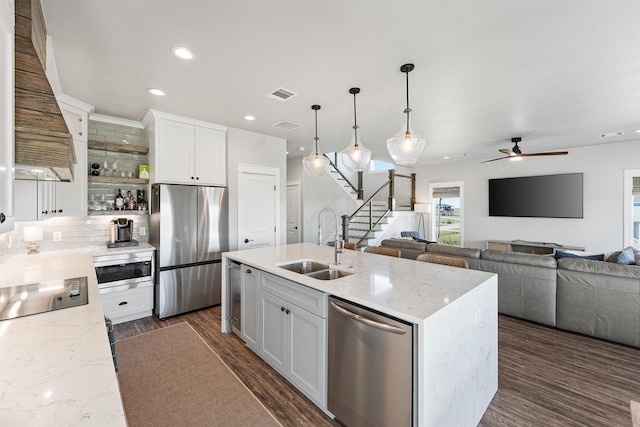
x: 600, y: 230
x: 255, y: 149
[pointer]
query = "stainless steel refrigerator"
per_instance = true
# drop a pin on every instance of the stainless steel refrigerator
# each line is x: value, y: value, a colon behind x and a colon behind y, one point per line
x: 190, y: 229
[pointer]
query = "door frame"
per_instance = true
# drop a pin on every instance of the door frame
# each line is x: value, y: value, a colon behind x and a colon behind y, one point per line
x: 298, y: 185
x: 262, y: 170
x: 627, y: 215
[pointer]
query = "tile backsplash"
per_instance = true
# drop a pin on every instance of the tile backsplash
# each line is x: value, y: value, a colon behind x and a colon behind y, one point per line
x: 76, y: 232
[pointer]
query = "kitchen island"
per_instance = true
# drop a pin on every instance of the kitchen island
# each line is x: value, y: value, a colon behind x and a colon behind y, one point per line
x: 57, y: 368
x: 454, y: 312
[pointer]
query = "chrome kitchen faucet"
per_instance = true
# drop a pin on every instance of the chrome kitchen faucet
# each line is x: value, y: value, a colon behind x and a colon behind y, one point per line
x: 339, y: 245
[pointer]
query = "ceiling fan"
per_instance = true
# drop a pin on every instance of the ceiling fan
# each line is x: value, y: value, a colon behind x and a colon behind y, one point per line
x: 517, y: 154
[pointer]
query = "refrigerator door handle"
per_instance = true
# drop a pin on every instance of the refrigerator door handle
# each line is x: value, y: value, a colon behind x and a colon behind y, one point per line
x: 368, y: 322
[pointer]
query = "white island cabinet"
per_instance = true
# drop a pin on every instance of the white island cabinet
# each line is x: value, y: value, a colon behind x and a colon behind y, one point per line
x: 186, y: 151
x: 293, y: 333
x: 454, y: 313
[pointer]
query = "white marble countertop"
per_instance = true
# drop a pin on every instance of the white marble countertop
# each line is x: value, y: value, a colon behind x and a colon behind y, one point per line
x: 104, y: 250
x: 407, y: 289
x: 56, y: 367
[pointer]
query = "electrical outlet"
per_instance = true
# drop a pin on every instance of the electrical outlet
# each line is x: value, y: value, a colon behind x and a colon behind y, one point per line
x: 143, y: 231
x: 57, y: 236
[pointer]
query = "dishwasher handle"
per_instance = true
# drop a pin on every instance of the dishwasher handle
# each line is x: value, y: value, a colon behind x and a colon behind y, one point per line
x: 368, y: 322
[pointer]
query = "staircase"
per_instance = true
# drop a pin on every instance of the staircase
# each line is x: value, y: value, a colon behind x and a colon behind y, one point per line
x: 350, y: 181
x: 359, y: 229
x: 369, y: 220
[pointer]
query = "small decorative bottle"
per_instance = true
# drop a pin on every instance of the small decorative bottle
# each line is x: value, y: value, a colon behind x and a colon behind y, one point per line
x: 119, y: 201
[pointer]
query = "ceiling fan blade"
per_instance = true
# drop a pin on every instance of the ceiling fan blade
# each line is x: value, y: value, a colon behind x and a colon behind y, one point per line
x: 499, y: 158
x: 548, y: 153
x: 506, y: 151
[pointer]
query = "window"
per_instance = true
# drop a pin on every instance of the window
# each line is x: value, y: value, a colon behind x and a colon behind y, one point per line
x: 379, y: 166
x: 631, y: 212
x: 447, y: 213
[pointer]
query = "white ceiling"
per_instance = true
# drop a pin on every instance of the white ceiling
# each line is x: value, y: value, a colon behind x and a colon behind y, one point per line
x: 557, y: 73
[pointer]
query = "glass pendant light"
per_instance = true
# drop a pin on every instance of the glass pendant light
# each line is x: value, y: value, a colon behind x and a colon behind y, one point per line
x: 315, y: 163
x: 356, y: 156
x: 406, y: 147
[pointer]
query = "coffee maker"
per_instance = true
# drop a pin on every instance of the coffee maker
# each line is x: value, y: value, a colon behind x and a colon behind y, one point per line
x: 121, y: 233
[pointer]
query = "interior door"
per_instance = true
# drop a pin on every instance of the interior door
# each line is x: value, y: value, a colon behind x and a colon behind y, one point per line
x: 293, y: 212
x: 256, y: 210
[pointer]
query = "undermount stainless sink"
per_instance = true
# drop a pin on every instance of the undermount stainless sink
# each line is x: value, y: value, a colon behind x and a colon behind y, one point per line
x: 328, y: 274
x: 304, y: 266
x: 314, y: 269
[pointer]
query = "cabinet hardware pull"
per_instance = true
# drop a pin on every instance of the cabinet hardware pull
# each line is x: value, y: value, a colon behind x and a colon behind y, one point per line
x: 248, y: 271
x: 281, y: 308
x: 288, y: 311
x: 248, y: 240
x: 2, y: 217
x: 123, y: 303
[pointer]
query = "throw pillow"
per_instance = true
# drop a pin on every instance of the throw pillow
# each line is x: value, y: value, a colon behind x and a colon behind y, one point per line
x: 623, y: 257
x: 567, y: 254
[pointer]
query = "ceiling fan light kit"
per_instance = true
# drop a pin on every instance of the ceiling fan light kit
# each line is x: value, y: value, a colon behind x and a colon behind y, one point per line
x: 315, y: 164
x: 516, y: 154
x: 406, y: 147
x: 355, y: 156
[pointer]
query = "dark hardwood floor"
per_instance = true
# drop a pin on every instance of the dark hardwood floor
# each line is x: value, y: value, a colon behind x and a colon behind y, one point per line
x: 546, y: 377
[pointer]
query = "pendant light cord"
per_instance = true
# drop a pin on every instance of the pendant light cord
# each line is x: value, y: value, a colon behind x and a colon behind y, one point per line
x: 316, y: 137
x: 355, y: 120
x: 407, y: 110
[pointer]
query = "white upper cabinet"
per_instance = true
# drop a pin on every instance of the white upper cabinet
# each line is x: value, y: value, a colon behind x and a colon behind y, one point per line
x: 6, y: 116
x: 186, y: 151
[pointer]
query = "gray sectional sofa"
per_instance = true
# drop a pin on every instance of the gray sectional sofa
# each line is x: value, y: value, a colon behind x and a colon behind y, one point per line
x: 596, y: 298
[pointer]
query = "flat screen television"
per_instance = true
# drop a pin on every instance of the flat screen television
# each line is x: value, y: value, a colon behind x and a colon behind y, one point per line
x: 545, y: 196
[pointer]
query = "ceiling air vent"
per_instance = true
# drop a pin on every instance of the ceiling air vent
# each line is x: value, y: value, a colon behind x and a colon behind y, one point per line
x: 281, y: 94
x: 287, y: 125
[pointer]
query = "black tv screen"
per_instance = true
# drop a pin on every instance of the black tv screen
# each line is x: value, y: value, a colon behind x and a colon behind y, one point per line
x: 545, y: 196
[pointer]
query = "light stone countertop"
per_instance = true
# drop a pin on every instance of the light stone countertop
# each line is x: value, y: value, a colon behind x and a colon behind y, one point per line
x: 56, y: 367
x: 403, y: 288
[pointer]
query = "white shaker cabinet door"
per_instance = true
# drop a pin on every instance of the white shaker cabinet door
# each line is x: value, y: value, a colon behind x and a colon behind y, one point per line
x: 174, y: 154
x: 307, y: 355
x: 71, y: 197
x: 210, y: 160
x: 273, y: 331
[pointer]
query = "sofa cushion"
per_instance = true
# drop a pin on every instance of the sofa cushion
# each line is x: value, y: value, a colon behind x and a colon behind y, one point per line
x: 624, y: 257
x: 454, y: 250
x: 570, y: 254
x: 404, y: 244
x: 409, y: 249
x: 519, y: 258
x: 600, y: 267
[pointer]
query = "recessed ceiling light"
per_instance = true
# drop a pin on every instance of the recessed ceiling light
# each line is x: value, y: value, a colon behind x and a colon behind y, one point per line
x: 638, y: 131
x: 249, y: 117
x: 446, y: 157
x: 156, y: 92
x: 286, y: 152
x: 301, y: 148
x: 183, y: 53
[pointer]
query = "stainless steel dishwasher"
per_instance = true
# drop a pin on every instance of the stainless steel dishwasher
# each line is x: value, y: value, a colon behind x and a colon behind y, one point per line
x: 371, y: 375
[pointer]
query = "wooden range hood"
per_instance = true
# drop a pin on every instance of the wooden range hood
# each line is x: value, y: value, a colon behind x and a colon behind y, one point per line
x: 42, y: 138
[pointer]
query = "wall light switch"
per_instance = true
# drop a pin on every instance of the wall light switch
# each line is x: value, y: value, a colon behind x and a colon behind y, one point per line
x: 57, y: 236
x: 143, y: 231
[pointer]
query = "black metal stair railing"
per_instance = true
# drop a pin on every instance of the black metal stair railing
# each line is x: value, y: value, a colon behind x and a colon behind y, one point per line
x: 352, y: 178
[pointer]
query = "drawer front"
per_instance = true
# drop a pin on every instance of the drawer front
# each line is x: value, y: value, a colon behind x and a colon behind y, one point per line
x: 306, y: 298
x: 127, y: 302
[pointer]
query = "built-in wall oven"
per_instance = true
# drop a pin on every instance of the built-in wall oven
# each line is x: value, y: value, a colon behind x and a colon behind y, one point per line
x: 121, y: 271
